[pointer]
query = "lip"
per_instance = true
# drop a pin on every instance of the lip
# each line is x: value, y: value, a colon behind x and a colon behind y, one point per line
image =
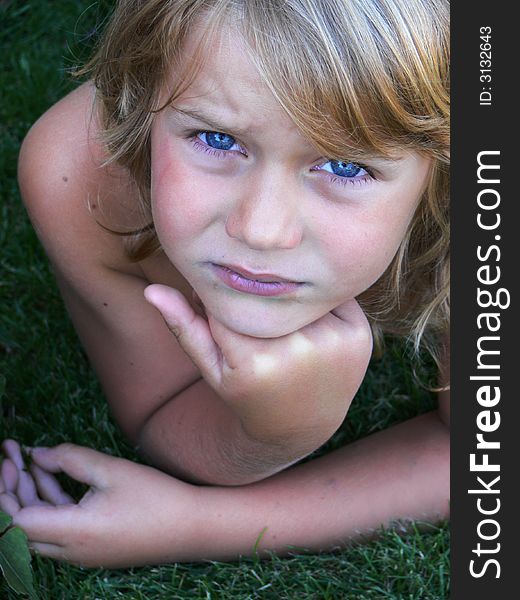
x: 264, y: 277
x: 259, y: 284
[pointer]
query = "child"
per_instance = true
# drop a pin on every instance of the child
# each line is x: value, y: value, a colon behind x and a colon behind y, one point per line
x: 277, y: 171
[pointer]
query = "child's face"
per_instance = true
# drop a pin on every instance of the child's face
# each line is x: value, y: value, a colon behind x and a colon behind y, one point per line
x: 260, y: 199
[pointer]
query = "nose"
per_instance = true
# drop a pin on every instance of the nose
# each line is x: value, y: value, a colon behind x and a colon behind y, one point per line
x: 267, y: 214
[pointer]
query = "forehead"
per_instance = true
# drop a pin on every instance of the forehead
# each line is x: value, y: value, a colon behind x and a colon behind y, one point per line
x: 227, y: 77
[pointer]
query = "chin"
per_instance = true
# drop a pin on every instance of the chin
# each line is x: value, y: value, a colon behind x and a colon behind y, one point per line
x: 261, y: 324
x: 255, y: 328
x: 264, y: 332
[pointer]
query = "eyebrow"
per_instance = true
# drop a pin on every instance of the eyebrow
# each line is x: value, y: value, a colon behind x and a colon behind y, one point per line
x: 210, y: 121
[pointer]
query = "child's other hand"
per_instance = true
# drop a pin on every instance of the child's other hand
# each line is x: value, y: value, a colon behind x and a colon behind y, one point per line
x: 294, y: 389
x: 131, y: 515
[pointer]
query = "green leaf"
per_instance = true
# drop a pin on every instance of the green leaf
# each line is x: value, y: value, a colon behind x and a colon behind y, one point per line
x: 5, y: 521
x: 15, y: 561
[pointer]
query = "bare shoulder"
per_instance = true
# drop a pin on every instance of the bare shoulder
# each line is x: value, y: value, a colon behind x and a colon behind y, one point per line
x: 67, y: 192
x: 63, y: 182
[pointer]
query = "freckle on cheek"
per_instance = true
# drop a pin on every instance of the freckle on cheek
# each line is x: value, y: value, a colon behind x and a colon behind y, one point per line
x: 264, y: 364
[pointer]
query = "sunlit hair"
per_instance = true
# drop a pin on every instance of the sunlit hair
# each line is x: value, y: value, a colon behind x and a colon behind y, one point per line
x: 359, y: 78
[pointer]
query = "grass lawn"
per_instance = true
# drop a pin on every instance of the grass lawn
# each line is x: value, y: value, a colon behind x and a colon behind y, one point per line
x: 51, y: 394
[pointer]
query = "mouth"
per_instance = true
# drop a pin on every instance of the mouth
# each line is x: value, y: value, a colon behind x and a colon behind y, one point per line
x: 259, y: 284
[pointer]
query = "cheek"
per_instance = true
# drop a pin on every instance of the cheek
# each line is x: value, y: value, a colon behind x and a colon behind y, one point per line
x: 179, y: 199
x: 360, y: 252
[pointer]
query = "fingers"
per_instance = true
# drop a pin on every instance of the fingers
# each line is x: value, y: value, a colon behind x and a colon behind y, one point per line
x: 34, y: 488
x: 42, y: 525
x: 13, y: 451
x: 350, y: 312
x: 355, y: 325
x: 11, y: 466
x: 49, y: 550
x: 9, y: 474
x: 49, y: 487
x: 9, y: 503
x: 191, y: 330
x: 200, y: 309
x: 47, y: 524
x: 80, y: 463
x: 26, y: 490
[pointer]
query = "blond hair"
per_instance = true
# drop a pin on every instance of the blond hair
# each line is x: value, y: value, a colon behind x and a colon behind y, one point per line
x: 357, y: 77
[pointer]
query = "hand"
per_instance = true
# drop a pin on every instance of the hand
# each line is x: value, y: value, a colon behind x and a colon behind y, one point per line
x: 292, y: 390
x: 131, y: 515
x: 17, y: 483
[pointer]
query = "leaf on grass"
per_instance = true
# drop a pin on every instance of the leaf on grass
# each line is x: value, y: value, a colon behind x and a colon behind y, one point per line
x: 5, y: 521
x: 15, y: 561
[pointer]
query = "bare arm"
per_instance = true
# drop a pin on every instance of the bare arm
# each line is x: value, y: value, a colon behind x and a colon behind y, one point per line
x: 398, y: 474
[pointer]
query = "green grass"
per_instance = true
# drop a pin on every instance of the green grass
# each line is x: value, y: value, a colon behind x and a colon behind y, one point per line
x: 51, y: 394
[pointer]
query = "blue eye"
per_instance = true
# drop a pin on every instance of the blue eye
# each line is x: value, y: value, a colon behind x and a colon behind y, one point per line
x: 218, y: 140
x: 344, y: 169
x: 345, y: 172
x: 215, y: 143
